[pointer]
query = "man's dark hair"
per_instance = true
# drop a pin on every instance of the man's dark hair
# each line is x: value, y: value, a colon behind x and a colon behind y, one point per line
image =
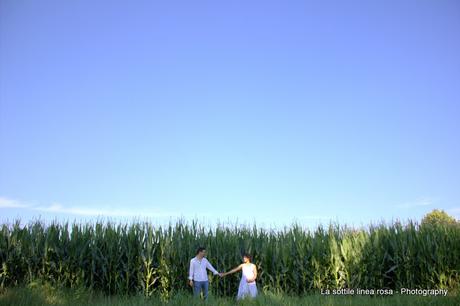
x: 200, y: 249
x: 248, y: 256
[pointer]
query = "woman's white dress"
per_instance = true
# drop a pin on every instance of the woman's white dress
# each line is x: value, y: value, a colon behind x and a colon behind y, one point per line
x: 247, y: 289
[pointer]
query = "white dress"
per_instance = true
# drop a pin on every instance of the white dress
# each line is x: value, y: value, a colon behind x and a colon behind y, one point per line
x: 247, y: 289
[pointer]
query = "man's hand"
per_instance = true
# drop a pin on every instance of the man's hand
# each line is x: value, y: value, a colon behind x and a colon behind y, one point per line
x: 221, y: 274
x: 190, y: 282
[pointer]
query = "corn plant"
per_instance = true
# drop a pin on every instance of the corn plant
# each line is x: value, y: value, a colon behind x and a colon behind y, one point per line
x: 153, y: 260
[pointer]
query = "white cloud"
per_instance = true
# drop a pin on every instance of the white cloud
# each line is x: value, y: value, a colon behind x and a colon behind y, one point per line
x: 84, y: 211
x: 9, y: 203
x: 420, y: 202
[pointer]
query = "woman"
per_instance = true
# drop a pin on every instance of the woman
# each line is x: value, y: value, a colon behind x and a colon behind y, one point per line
x: 248, y: 285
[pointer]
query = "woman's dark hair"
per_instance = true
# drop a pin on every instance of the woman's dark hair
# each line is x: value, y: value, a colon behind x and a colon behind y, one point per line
x: 248, y: 256
x: 200, y: 249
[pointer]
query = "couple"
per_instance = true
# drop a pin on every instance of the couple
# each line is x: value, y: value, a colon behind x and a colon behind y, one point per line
x: 198, y: 276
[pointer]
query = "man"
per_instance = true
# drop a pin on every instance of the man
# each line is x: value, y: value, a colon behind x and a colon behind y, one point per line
x: 198, y: 276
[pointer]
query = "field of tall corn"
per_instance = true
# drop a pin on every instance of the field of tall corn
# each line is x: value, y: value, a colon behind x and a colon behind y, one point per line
x: 116, y: 258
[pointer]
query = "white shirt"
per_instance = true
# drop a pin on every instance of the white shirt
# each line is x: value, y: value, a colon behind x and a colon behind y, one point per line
x: 248, y: 272
x: 198, y: 269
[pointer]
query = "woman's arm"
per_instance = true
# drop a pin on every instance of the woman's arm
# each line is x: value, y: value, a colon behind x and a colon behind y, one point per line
x: 233, y: 270
x: 254, y: 269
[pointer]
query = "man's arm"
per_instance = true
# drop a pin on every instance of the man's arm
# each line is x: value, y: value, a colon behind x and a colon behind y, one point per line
x: 190, y: 273
x: 210, y: 267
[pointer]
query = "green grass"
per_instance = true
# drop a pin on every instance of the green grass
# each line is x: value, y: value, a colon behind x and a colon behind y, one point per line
x: 40, y: 295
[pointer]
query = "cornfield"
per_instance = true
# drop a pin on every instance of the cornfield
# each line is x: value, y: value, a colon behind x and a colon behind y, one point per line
x: 116, y: 258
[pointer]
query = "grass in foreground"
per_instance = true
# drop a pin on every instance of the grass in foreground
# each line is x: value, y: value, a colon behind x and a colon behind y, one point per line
x: 46, y: 295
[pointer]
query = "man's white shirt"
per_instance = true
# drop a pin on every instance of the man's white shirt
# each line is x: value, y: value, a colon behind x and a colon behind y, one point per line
x: 198, y: 269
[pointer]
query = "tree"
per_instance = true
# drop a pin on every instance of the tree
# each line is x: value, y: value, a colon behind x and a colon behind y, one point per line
x: 438, y: 217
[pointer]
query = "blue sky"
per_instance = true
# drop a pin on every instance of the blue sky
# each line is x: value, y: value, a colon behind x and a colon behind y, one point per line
x: 266, y: 111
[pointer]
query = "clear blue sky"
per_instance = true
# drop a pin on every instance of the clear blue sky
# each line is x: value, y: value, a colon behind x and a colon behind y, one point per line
x: 231, y: 110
